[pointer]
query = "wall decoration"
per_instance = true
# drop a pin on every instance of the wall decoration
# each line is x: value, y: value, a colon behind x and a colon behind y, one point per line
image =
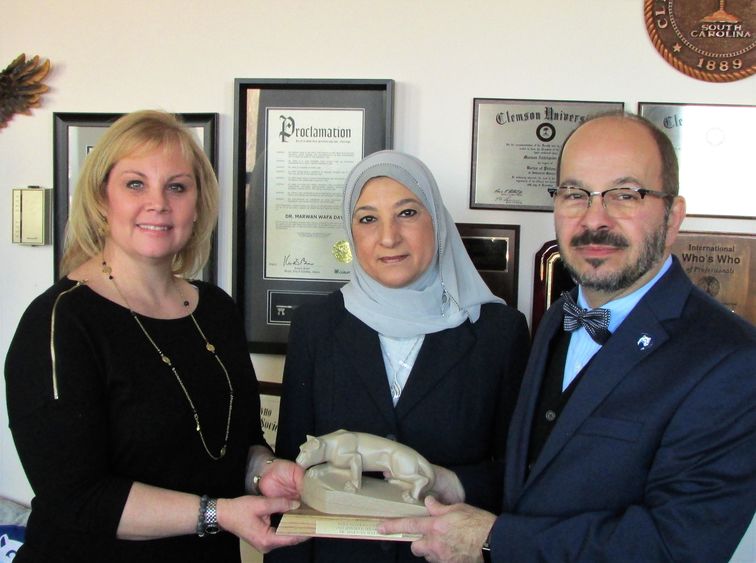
x: 515, y: 148
x: 21, y: 87
x: 723, y: 265
x: 711, y: 40
x: 550, y: 279
x: 495, y: 253
x: 295, y: 142
x: 715, y: 150
x: 75, y: 135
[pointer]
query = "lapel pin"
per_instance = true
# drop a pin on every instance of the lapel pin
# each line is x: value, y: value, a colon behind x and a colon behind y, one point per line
x: 644, y: 341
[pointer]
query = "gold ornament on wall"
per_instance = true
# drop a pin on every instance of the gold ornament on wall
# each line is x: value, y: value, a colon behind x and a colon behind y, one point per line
x: 21, y: 87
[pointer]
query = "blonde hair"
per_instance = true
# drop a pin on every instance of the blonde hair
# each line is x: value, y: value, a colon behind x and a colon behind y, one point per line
x: 138, y: 132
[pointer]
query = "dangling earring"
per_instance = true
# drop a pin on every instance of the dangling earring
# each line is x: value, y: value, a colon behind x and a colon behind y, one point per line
x: 103, y: 228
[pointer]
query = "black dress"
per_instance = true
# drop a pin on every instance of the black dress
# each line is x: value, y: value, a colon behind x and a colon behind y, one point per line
x: 122, y: 417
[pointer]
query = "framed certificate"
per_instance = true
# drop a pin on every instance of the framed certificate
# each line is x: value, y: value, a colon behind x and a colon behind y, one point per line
x: 295, y: 143
x: 75, y: 135
x: 515, y: 149
x: 715, y: 150
x: 494, y: 251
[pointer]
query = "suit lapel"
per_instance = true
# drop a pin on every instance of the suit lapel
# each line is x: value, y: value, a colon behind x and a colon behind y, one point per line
x: 362, y: 348
x: 518, y: 438
x: 439, y: 353
x: 639, y: 336
x: 618, y: 357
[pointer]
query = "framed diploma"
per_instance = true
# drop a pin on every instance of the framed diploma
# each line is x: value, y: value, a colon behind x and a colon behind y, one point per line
x: 723, y: 265
x: 494, y: 251
x: 75, y: 135
x: 295, y: 143
x: 715, y: 149
x: 515, y: 149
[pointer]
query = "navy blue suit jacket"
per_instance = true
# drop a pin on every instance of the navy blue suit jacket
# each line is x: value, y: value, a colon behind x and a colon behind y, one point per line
x: 454, y: 410
x: 654, y: 456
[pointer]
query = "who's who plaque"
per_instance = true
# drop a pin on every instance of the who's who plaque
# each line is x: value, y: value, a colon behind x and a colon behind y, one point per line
x: 723, y: 265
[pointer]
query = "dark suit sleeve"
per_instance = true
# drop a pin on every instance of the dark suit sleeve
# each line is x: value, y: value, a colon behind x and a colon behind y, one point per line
x: 700, y: 492
x: 483, y: 481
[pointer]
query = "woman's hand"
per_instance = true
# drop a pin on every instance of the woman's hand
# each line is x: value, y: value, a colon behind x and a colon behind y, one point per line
x: 447, y: 487
x: 281, y: 478
x: 248, y: 517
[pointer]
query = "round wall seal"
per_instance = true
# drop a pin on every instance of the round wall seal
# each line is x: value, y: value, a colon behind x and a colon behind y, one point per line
x: 713, y: 40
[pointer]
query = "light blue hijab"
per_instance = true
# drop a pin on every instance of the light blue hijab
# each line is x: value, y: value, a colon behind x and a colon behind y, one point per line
x: 449, y: 292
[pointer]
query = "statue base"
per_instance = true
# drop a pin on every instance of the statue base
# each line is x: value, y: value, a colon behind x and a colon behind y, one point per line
x: 306, y: 521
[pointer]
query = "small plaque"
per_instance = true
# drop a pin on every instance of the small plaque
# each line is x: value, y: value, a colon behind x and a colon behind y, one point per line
x: 723, y: 265
x: 306, y: 521
x: 712, y: 40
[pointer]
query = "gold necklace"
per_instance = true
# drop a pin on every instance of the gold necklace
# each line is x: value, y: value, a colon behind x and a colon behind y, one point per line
x: 107, y: 270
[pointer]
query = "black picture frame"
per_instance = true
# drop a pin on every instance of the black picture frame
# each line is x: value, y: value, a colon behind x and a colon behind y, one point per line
x: 68, y: 158
x: 267, y: 293
x: 495, y: 253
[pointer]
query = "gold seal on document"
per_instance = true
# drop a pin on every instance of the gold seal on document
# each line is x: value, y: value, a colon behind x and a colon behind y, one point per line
x: 342, y: 252
x: 712, y: 40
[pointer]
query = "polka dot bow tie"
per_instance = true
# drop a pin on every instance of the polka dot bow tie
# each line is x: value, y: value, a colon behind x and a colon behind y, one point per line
x: 595, y: 321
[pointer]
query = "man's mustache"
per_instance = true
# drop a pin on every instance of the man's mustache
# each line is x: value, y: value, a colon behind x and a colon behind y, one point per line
x: 602, y: 237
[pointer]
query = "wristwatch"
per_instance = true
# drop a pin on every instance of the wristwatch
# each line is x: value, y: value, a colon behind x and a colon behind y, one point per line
x: 485, y: 549
x: 211, y: 517
x: 207, y: 520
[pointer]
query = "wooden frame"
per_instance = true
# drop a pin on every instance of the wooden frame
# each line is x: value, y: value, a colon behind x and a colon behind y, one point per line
x: 495, y: 253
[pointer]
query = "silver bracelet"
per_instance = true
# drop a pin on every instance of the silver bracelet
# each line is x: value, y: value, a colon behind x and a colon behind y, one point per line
x: 201, y: 515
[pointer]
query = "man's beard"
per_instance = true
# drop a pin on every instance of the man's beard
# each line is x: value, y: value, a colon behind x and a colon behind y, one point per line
x: 651, y: 253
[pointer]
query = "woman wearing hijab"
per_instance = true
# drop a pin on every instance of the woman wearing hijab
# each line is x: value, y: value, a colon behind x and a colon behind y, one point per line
x: 415, y: 348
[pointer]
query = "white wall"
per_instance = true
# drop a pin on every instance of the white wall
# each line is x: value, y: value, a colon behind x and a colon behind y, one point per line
x: 183, y: 56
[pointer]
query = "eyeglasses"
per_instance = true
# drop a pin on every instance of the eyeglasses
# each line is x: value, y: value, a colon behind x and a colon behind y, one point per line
x: 621, y: 203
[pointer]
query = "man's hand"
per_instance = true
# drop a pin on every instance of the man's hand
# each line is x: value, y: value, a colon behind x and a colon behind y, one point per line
x: 451, y: 534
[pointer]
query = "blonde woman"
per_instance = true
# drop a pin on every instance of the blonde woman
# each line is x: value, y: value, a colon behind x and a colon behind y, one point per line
x: 131, y: 396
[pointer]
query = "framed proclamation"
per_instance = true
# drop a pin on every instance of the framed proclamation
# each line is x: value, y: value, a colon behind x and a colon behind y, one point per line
x: 295, y: 143
x: 715, y: 151
x: 516, y: 146
x: 75, y: 135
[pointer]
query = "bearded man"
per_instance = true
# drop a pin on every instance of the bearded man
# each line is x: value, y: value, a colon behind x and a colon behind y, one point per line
x: 635, y: 430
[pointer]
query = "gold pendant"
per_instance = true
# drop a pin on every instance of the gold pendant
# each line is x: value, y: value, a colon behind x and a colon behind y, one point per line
x: 222, y: 452
x: 210, y: 347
